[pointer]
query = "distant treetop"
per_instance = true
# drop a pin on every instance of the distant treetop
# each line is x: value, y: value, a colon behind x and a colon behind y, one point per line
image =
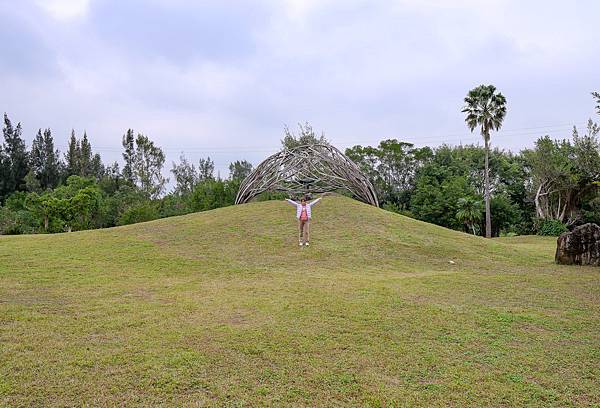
x: 306, y: 136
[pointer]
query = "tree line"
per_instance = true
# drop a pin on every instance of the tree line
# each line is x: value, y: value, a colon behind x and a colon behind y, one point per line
x: 44, y: 191
x: 544, y: 189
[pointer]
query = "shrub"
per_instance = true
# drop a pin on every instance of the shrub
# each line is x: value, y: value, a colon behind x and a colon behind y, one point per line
x: 552, y: 228
x: 140, y: 213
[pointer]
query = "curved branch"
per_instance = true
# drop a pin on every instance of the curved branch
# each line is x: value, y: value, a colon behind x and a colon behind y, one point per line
x: 316, y: 168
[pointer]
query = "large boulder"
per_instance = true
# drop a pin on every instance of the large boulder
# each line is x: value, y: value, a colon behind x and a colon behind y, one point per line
x: 580, y: 246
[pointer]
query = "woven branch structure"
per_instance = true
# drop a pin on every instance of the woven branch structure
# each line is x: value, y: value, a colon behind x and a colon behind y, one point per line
x: 315, y: 168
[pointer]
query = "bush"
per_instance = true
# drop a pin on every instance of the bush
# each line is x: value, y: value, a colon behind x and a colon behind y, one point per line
x: 211, y: 194
x: 393, y: 207
x: 16, y: 222
x: 140, y: 213
x: 551, y: 228
x: 591, y: 211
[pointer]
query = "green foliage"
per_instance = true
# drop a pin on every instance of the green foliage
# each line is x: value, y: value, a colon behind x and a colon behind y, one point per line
x: 485, y: 108
x: 74, y: 206
x: 591, y: 209
x: 186, y: 176
x: 393, y: 207
x: 72, y: 157
x: 507, y: 216
x: 206, y: 169
x: 129, y: 157
x: 15, y: 217
x: 146, y: 211
x: 44, y: 162
x: 148, y: 164
x: 470, y: 212
x: 271, y: 195
x: 391, y: 167
x: 81, y: 160
x: 173, y: 204
x: 306, y: 136
x: 14, y: 160
x: 563, y: 174
x: 551, y: 228
x: 438, y: 185
x: 213, y: 194
x: 596, y: 96
x: 239, y: 169
x: 435, y: 200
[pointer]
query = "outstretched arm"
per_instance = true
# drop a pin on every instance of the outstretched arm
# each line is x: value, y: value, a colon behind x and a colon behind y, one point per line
x: 291, y: 202
x: 315, y: 201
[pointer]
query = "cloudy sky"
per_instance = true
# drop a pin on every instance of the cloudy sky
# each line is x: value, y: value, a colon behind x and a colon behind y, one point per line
x: 222, y: 78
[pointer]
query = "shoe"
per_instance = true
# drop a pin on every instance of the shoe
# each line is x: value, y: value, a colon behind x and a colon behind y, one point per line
x: 306, y: 243
x: 300, y: 243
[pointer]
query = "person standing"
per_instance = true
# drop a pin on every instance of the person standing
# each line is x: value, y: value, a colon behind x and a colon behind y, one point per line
x: 303, y: 214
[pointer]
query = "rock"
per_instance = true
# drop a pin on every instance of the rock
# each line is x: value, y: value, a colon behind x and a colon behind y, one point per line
x: 580, y: 246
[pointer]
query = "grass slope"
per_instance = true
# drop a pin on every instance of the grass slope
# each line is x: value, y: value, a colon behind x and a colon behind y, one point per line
x: 224, y: 308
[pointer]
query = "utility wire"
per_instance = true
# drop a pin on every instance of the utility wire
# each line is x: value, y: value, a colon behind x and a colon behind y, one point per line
x: 447, y: 138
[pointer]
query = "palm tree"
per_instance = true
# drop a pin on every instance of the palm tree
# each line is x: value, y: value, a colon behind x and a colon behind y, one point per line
x: 469, y: 212
x: 485, y: 109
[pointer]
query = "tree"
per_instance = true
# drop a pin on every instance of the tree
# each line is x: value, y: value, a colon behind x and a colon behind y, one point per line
x: 305, y: 136
x: 44, y: 207
x: 562, y: 174
x: 32, y: 184
x: 85, y: 157
x: 469, y: 212
x: 454, y: 172
x: 186, y: 176
x: 212, y: 194
x: 148, y: 164
x: 486, y: 109
x: 15, y: 157
x: 76, y: 205
x: 45, y: 162
x: 72, y: 165
x: 597, y: 96
x: 4, y: 174
x: 391, y: 168
x: 97, y: 169
x: 239, y: 170
x: 206, y: 169
x: 129, y: 157
x: 37, y: 155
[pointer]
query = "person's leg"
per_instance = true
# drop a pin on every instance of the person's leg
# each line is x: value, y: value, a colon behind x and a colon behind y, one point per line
x: 306, y: 232
x: 300, y: 231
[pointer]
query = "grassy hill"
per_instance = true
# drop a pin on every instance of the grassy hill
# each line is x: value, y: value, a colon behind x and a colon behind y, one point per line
x: 223, y: 307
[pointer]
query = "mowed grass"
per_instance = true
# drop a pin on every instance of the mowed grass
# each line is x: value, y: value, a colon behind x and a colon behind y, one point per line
x: 224, y: 308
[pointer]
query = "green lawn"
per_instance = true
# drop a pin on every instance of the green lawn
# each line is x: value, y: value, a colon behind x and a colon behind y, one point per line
x: 224, y: 308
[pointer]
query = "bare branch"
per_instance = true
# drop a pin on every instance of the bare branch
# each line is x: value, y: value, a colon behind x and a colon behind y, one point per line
x: 314, y: 168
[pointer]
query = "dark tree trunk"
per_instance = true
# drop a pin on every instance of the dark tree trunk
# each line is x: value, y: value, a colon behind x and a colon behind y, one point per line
x: 488, y: 215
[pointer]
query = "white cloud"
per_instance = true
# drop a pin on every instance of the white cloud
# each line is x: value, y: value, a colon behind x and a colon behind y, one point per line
x: 360, y: 70
x: 65, y: 9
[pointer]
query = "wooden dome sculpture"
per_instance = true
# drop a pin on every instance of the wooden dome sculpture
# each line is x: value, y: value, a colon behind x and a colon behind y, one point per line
x: 315, y: 168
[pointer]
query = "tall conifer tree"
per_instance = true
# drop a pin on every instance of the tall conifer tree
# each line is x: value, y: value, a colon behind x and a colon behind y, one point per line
x: 16, y: 159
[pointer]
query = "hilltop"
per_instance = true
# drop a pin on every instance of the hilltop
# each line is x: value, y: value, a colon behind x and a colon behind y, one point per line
x: 224, y: 307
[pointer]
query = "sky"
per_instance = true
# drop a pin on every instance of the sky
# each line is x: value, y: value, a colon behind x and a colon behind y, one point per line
x: 223, y: 78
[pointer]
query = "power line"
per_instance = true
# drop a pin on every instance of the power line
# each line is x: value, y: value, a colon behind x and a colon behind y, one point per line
x: 446, y: 138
